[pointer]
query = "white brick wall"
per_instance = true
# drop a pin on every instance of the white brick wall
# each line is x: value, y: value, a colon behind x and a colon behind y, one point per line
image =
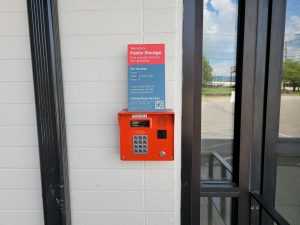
x: 94, y: 38
x: 20, y: 185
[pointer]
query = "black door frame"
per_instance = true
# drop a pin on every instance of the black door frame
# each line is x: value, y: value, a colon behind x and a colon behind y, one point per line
x: 251, y: 65
x: 273, y: 96
x: 191, y: 112
x: 274, y: 144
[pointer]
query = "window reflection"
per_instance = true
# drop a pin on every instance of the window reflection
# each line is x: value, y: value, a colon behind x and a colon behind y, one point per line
x: 218, y: 91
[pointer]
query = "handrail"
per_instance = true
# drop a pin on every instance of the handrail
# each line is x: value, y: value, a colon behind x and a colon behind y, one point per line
x: 224, y: 163
x: 223, y: 191
x: 270, y: 211
x: 218, y: 157
x: 275, y: 216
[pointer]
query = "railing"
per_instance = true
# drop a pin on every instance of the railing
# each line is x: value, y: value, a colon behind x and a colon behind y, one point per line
x: 267, y: 214
x: 225, y: 169
x: 258, y: 208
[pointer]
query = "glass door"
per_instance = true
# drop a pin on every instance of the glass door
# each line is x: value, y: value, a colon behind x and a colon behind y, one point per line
x: 220, y: 48
x: 219, y: 107
x: 281, y: 178
x: 240, y: 115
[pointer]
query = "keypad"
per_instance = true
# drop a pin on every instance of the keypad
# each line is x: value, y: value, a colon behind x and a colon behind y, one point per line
x: 140, y: 144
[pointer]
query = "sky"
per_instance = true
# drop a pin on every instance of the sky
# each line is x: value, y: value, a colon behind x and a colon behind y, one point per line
x: 220, y: 28
x: 292, y: 29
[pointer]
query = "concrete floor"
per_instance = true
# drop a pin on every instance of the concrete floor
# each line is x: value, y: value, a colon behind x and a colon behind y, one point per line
x: 290, y: 116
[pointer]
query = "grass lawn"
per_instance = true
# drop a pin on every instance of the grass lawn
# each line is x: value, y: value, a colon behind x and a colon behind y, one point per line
x: 284, y: 92
x: 217, y: 91
x: 226, y: 91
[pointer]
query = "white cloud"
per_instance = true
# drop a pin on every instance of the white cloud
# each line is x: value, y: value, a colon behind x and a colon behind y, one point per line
x: 224, y: 20
x: 292, y: 37
x: 220, y: 34
x: 292, y: 29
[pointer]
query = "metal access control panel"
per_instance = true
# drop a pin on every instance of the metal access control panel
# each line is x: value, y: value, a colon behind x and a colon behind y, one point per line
x: 146, y: 135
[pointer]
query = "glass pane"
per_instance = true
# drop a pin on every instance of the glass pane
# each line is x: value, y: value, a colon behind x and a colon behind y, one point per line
x: 290, y: 99
x: 218, y: 91
x: 288, y: 187
x: 215, y: 211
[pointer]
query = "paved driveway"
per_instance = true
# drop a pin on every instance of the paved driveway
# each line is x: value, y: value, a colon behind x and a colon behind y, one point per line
x: 217, y: 117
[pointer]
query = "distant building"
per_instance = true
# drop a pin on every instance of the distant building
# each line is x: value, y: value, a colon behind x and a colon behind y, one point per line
x: 222, y: 80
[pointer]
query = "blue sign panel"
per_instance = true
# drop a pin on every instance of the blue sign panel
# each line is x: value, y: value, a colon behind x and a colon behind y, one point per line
x: 146, y: 77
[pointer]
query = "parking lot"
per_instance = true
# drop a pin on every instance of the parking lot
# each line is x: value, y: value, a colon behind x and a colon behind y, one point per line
x: 217, y: 117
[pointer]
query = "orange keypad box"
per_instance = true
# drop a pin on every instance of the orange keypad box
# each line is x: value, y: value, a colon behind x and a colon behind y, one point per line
x: 146, y: 136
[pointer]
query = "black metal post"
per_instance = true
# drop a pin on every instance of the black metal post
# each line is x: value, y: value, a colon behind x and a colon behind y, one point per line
x: 49, y: 99
x: 246, y: 64
x: 191, y: 111
x: 275, y: 61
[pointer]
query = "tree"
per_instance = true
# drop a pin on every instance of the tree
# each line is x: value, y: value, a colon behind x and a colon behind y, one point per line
x: 207, y: 71
x: 291, y: 71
